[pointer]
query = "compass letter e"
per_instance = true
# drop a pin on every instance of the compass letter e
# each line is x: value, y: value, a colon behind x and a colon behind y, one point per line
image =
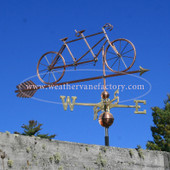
x: 68, y: 102
x: 137, y: 106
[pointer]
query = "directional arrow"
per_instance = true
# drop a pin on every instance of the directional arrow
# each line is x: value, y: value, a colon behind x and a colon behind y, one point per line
x: 28, y: 88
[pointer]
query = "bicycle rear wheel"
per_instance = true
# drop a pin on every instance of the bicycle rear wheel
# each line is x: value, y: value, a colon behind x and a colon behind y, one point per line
x: 46, y: 73
x: 124, y: 60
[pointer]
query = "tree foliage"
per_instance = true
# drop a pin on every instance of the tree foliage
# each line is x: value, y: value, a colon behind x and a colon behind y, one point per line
x: 161, y: 128
x: 33, y: 129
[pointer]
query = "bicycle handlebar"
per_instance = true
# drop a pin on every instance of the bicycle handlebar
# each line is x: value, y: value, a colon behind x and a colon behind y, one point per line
x: 108, y: 26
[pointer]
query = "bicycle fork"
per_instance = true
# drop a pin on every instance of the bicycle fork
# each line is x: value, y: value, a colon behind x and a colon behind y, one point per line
x: 112, y: 45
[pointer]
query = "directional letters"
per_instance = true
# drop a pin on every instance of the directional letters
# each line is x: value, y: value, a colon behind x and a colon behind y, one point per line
x: 68, y: 102
x: 104, y: 103
x: 137, y: 106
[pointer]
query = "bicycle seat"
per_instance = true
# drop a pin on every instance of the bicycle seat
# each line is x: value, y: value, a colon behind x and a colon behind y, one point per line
x: 64, y: 39
x: 78, y: 33
x: 81, y: 31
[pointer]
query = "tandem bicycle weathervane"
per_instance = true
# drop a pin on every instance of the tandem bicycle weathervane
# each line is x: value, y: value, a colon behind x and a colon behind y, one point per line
x: 118, y: 56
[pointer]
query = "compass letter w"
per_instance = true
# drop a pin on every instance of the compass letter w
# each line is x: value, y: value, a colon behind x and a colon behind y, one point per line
x: 68, y: 102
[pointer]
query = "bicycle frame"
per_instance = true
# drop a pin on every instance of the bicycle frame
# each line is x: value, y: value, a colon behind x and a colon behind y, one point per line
x: 109, y: 58
x: 76, y: 62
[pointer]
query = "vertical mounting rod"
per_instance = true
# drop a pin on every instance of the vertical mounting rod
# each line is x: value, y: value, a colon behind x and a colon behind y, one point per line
x: 106, y: 137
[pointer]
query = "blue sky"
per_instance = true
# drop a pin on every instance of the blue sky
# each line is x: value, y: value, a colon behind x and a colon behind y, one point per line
x: 30, y: 28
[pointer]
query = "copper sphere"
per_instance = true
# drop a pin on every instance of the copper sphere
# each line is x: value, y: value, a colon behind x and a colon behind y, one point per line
x: 105, y: 95
x: 106, y: 119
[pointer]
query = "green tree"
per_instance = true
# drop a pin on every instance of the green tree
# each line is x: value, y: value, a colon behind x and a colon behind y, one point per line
x: 33, y: 130
x: 161, y: 128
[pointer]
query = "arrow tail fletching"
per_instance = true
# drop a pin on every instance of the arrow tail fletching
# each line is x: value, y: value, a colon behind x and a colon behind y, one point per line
x: 26, y: 89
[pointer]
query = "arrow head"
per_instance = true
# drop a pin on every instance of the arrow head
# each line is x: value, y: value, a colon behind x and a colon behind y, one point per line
x: 142, y: 70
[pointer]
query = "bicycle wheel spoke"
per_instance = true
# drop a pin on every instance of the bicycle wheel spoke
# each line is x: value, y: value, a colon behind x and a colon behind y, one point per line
x: 54, y: 76
x: 43, y: 64
x: 127, y: 56
x: 59, y: 62
x: 123, y: 62
x: 127, y: 51
x: 124, y: 48
x: 47, y: 59
x: 49, y: 77
x: 119, y: 64
x: 42, y: 70
x: 45, y: 75
x: 112, y: 58
x: 114, y: 62
x: 52, y: 57
x: 59, y: 59
x: 57, y: 71
x: 120, y: 47
x: 112, y: 53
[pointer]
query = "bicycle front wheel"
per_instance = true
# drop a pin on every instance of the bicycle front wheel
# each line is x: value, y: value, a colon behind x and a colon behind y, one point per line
x: 125, y: 58
x: 48, y: 74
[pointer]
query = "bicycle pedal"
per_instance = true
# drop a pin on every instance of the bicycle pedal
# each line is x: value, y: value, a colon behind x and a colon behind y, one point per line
x: 95, y: 59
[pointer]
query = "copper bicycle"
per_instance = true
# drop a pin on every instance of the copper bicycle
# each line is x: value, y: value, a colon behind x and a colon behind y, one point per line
x: 119, y: 56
